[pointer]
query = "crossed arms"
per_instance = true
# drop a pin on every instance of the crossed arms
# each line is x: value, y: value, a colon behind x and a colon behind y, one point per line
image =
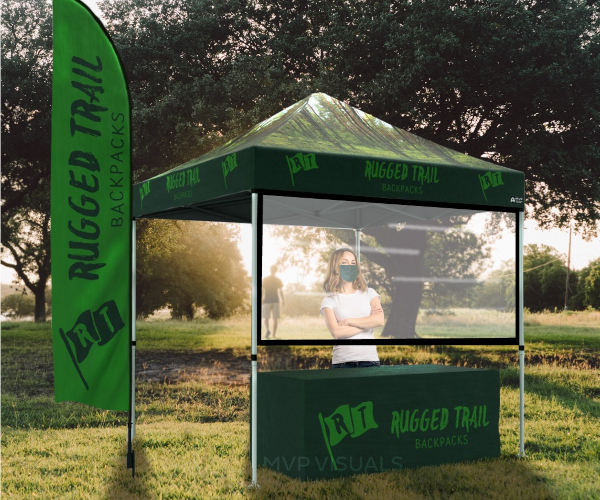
x: 351, y: 326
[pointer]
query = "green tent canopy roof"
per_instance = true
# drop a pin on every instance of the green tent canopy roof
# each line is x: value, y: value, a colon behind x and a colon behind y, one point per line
x: 323, y: 146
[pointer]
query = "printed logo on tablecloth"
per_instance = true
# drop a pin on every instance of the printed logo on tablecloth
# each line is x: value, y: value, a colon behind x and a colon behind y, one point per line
x: 347, y: 421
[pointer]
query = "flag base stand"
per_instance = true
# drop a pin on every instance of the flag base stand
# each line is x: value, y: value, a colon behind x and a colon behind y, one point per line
x: 131, y: 462
x: 130, y: 452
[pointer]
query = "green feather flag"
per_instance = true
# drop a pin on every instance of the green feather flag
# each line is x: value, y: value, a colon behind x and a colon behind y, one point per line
x: 91, y: 213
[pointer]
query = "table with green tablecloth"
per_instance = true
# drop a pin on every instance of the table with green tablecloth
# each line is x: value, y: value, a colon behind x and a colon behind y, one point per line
x: 331, y: 423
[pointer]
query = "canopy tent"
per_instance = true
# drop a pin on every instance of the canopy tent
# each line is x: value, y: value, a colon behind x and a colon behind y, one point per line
x: 323, y: 163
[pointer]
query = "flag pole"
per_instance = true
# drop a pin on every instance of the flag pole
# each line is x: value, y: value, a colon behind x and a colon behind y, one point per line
x: 131, y: 423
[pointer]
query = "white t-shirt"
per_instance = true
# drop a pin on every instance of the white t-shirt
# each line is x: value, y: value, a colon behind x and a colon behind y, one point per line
x: 352, y: 305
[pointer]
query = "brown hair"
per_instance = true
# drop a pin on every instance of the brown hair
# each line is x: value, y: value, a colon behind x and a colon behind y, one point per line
x: 332, y: 282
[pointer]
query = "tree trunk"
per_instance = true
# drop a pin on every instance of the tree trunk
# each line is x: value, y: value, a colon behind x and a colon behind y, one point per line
x: 402, y: 319
x: 401, y: 268
x: 40, y: 304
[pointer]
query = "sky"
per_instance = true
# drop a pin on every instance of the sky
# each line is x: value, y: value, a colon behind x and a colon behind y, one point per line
x: 93, y: 4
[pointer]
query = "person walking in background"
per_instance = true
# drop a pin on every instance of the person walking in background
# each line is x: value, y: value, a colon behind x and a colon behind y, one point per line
x: 351, y: 311
x: 272, y: 298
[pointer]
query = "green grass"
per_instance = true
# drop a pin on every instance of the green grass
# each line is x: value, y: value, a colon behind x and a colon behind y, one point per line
x: 192, y: 437
x: 199, y: 334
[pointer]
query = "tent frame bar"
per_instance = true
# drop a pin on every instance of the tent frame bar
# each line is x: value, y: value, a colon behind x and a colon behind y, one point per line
x: 212, y: 212
x: 521, y: 328
x: 256, y: 317
x: 387, y: 201
x: 265, y: 193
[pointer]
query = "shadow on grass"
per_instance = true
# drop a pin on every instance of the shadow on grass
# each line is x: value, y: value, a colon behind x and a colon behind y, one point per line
x: 502, y: 479
x: 284, y: 357
x: 122, y: 486
x: 543, y: 387
x: 496, y: 358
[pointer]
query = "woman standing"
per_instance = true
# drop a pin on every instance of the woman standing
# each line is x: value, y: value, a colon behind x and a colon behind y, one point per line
x: 351, y: 311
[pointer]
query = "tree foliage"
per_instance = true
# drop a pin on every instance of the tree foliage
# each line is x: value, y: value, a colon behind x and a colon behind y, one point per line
x: 544, y: 281
x: 18, y: 305
x: 190, y: 265
x: 458, y: 255
x: 512, y: 81
x: 26, y: 91
x: 498, y: 291
x: 585, y: 289
x: 544, y: 278
x: 591, y: 285
x: 178, y: 56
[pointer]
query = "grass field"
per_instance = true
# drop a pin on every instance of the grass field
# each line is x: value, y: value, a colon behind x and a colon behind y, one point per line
x: 452, y: 323
x: 192, y: 435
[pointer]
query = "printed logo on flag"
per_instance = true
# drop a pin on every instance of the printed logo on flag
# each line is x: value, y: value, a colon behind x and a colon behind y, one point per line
x: 490, y: 179
x: 229, y: 164
x: 346, y: 421
x: 91, y: 328
x: 301, y: 161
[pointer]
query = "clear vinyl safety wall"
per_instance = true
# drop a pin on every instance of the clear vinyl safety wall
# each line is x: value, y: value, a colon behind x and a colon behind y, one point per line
x: 442, y: 273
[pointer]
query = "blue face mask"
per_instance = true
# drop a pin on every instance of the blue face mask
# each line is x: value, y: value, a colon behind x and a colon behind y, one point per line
x: 349, y: 272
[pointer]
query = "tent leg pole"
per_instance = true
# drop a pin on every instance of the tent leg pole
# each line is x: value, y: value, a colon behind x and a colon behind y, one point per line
x: 254, y: 457
x: 131, y: 423
x: 521, y: 402
x: 255, y: 331
x: 521, y: 325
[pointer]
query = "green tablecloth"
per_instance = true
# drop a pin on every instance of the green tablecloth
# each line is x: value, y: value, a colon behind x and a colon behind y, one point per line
x: 331, y: 423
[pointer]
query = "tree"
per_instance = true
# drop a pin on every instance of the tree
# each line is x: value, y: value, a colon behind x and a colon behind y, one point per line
x: 586, y: 288
x: 154, y: 247
x: 498, y: 291
x: 592, y: 286
x: 426, y: 253
x: 18, y: 305
x: 512, y: 81
x: 455, y: 254
x: 190, y: 265
x: 544, y: 278
x: 26, y: 88
x: 179, y: 59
